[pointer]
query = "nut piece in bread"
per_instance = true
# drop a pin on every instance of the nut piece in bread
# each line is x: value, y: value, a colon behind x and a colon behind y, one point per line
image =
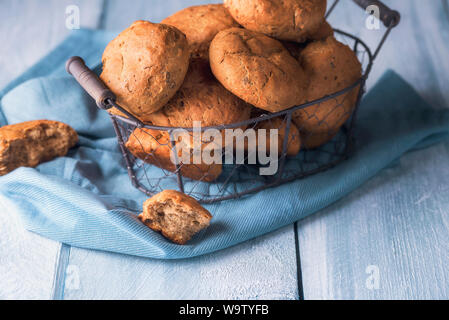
x: 200, y: 24
x: 331, y: 66
x: 154, y: 147
x: 258, y: 69
x: 30, y: 143
x: 145, y: 66
x: 175, y: 215
x: 290, y: 20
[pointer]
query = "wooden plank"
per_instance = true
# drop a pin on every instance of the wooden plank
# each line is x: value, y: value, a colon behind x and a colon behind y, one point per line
x: 28, y: 261
x: 263, y: 268
x: 398, y: 223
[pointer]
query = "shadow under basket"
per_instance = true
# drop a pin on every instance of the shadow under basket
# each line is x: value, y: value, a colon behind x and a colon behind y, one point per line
x: 146, y: 149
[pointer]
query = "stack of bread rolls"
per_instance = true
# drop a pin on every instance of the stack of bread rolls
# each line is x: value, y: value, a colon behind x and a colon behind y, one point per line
x: 223, y: 63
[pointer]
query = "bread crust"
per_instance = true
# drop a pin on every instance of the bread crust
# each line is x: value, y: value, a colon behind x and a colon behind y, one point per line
x: 192, y: 216
x: 145, y: 66
x: 324, y: 31
x: 200, y: 24
x: 295, y: 48
x: 257, y: 68
x: 331, y: 66
x: 153, y: 147
x: 290, y: 20
x: 312, y: 140
x: 201, y: 98
x: 30, y: 143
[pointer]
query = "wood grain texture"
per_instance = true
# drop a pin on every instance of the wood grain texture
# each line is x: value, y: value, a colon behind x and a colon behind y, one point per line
x: 263, y: 268
x: 28, y: 261
x: 399, y: 221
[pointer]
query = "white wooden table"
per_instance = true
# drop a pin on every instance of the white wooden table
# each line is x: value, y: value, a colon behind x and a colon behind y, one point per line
x: 395, y: 227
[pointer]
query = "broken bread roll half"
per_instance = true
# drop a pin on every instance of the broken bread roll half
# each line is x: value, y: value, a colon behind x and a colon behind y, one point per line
x: 28, y: 144
x: 177, y: 216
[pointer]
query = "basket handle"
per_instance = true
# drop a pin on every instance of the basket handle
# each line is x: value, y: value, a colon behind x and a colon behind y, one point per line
x: 390, y: 18
x: 90, y: 82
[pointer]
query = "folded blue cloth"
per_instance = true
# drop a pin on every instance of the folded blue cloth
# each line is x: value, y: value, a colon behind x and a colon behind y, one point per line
x: 86, y: 199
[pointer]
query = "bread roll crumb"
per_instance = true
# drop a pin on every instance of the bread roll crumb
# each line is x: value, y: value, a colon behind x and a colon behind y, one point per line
x: 177, y: 216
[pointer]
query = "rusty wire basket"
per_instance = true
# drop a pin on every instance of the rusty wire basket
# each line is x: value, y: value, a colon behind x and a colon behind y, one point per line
x: 151, y: 173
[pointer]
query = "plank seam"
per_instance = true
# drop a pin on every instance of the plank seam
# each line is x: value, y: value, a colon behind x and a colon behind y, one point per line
x: 298, y: 264
x: 102, y: 20
x: 61, y: 267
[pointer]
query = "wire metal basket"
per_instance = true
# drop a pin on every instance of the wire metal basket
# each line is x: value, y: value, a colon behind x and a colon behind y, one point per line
x: 146, y: 148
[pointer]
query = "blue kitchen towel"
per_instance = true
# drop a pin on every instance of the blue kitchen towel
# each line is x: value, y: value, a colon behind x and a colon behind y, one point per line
x: 86, y: 199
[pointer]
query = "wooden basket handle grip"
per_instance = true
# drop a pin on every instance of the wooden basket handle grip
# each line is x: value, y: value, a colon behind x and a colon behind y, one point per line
x: 90, y: 82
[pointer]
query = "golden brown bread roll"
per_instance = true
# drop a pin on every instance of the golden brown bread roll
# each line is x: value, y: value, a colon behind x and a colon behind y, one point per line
x: 145, y: 66
x: 312, y: 140
x: 257, y: 68
x: 30, y: 143
x: 290, y: 20
x: 324, y: 31
x: 200, y: 24
x: 177, y: 216
x: 331, y: 66
x: 153, y: 147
